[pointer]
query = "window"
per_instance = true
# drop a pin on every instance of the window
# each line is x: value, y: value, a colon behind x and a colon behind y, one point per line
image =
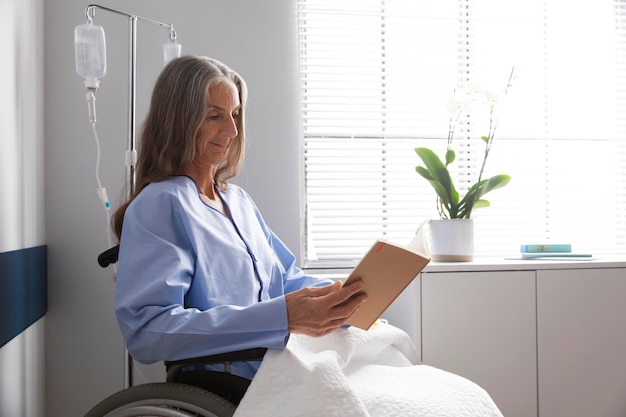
x: 375, y: 77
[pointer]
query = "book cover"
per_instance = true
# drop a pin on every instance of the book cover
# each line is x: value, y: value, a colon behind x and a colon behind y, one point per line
x: 555, y: 255
x: 548, y: 247
x: 386, y: 269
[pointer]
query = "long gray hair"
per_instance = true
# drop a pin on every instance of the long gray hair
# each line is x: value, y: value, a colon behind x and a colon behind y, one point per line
x: 177, y: 110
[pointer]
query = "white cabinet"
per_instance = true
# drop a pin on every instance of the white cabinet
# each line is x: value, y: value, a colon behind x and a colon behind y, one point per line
x: 481, y: 325
x: 543, y: 339
x: 582, y: 342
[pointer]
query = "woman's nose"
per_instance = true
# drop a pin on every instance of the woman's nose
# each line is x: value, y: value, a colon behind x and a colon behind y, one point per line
x: 230, y: 127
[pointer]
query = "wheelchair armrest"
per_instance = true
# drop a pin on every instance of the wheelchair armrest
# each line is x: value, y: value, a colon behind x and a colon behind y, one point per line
x: 173, y: 368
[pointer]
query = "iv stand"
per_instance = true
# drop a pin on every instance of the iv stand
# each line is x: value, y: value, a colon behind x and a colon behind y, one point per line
x: 131, y: 153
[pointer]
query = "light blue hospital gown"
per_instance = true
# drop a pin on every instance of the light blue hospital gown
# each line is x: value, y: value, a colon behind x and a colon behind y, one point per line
x: 192, y: 282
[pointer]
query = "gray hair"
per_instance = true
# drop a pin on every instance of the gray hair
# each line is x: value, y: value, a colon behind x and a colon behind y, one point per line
x: 177, y: 110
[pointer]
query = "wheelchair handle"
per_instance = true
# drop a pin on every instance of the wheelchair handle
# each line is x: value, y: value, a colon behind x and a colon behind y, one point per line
x: 109, y: 256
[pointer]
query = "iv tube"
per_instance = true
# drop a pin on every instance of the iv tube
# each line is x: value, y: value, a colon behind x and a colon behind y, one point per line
x: 102, y: 192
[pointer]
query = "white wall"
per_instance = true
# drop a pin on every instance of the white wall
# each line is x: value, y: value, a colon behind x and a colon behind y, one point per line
x: 21, y: 190
x: 85, y: 357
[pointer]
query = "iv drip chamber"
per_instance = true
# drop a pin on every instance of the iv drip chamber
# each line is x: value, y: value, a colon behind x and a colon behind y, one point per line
x: 90, y: 53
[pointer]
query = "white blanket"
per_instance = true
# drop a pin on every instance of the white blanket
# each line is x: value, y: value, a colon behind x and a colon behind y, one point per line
x: 352, y: 372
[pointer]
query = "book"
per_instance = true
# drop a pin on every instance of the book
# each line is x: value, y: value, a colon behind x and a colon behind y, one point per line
x: 555, y: 255
x: 547, y: 247
x: 386, y: 270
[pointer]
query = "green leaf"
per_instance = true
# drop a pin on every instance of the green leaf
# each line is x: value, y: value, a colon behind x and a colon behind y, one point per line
x: 485, y: 139
x: 437, y: 174
x: 450, y: 156
x: 493, y: 183
x: 473, y: 197
x: 481, y: 204
x: 434, y: 165
x: 441, y: 191
x: 425, y: 173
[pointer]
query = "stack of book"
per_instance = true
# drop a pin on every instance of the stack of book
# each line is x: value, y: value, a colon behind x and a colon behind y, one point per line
x: 550, y: 251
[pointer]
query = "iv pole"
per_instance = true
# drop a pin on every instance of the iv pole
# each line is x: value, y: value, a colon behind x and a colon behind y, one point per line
x: 131, y: 153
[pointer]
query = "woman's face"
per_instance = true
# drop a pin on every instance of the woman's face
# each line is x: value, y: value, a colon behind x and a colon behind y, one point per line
x: 219, y: 126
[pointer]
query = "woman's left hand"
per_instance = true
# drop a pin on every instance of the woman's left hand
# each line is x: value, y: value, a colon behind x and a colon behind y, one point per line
x: 316, y: 311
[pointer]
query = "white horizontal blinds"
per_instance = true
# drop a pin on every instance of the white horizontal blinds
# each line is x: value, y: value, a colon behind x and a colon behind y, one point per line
x: 362, y: 64
x: 358, y: 190
x: 500, y: 36
x: 376, y: 76
x: 585, y: 186
x: 341, y: 85
x: 581, y: 58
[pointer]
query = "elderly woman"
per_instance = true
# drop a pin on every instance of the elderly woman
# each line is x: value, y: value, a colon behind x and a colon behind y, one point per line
x: 199, y: 271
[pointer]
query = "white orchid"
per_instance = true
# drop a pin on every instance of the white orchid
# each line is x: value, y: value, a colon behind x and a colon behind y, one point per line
x: 449, y: 203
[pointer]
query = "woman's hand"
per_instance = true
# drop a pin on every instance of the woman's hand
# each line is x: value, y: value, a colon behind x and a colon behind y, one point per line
x: 316, y: 311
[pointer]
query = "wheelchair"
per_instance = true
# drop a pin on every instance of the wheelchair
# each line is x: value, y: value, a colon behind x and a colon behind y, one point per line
x: 187, y: 390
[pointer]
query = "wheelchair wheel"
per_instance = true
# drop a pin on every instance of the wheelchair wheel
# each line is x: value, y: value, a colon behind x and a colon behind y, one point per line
x: 164, y: 399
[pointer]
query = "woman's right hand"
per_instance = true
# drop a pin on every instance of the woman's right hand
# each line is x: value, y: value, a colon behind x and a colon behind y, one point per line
x: 316, y: 311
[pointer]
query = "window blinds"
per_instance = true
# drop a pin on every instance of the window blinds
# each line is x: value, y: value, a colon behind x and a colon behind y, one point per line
x: 375, y: 79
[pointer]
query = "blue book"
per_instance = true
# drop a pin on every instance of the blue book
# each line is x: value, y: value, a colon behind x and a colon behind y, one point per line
x: 563, y: 255
x: 547, y: 248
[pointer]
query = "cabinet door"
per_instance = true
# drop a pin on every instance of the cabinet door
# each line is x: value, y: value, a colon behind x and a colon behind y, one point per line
x: 482, y: 326
x: 582, y: 342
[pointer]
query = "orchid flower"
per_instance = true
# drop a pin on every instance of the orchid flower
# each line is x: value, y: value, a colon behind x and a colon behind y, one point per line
x: 449, y: 203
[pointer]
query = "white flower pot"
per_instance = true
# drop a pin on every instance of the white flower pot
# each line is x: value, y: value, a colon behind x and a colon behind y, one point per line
x: 451, y: 240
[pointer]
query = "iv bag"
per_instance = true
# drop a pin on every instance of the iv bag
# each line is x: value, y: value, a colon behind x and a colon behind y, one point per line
x: 90, y: 53
x: 171, y: 51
